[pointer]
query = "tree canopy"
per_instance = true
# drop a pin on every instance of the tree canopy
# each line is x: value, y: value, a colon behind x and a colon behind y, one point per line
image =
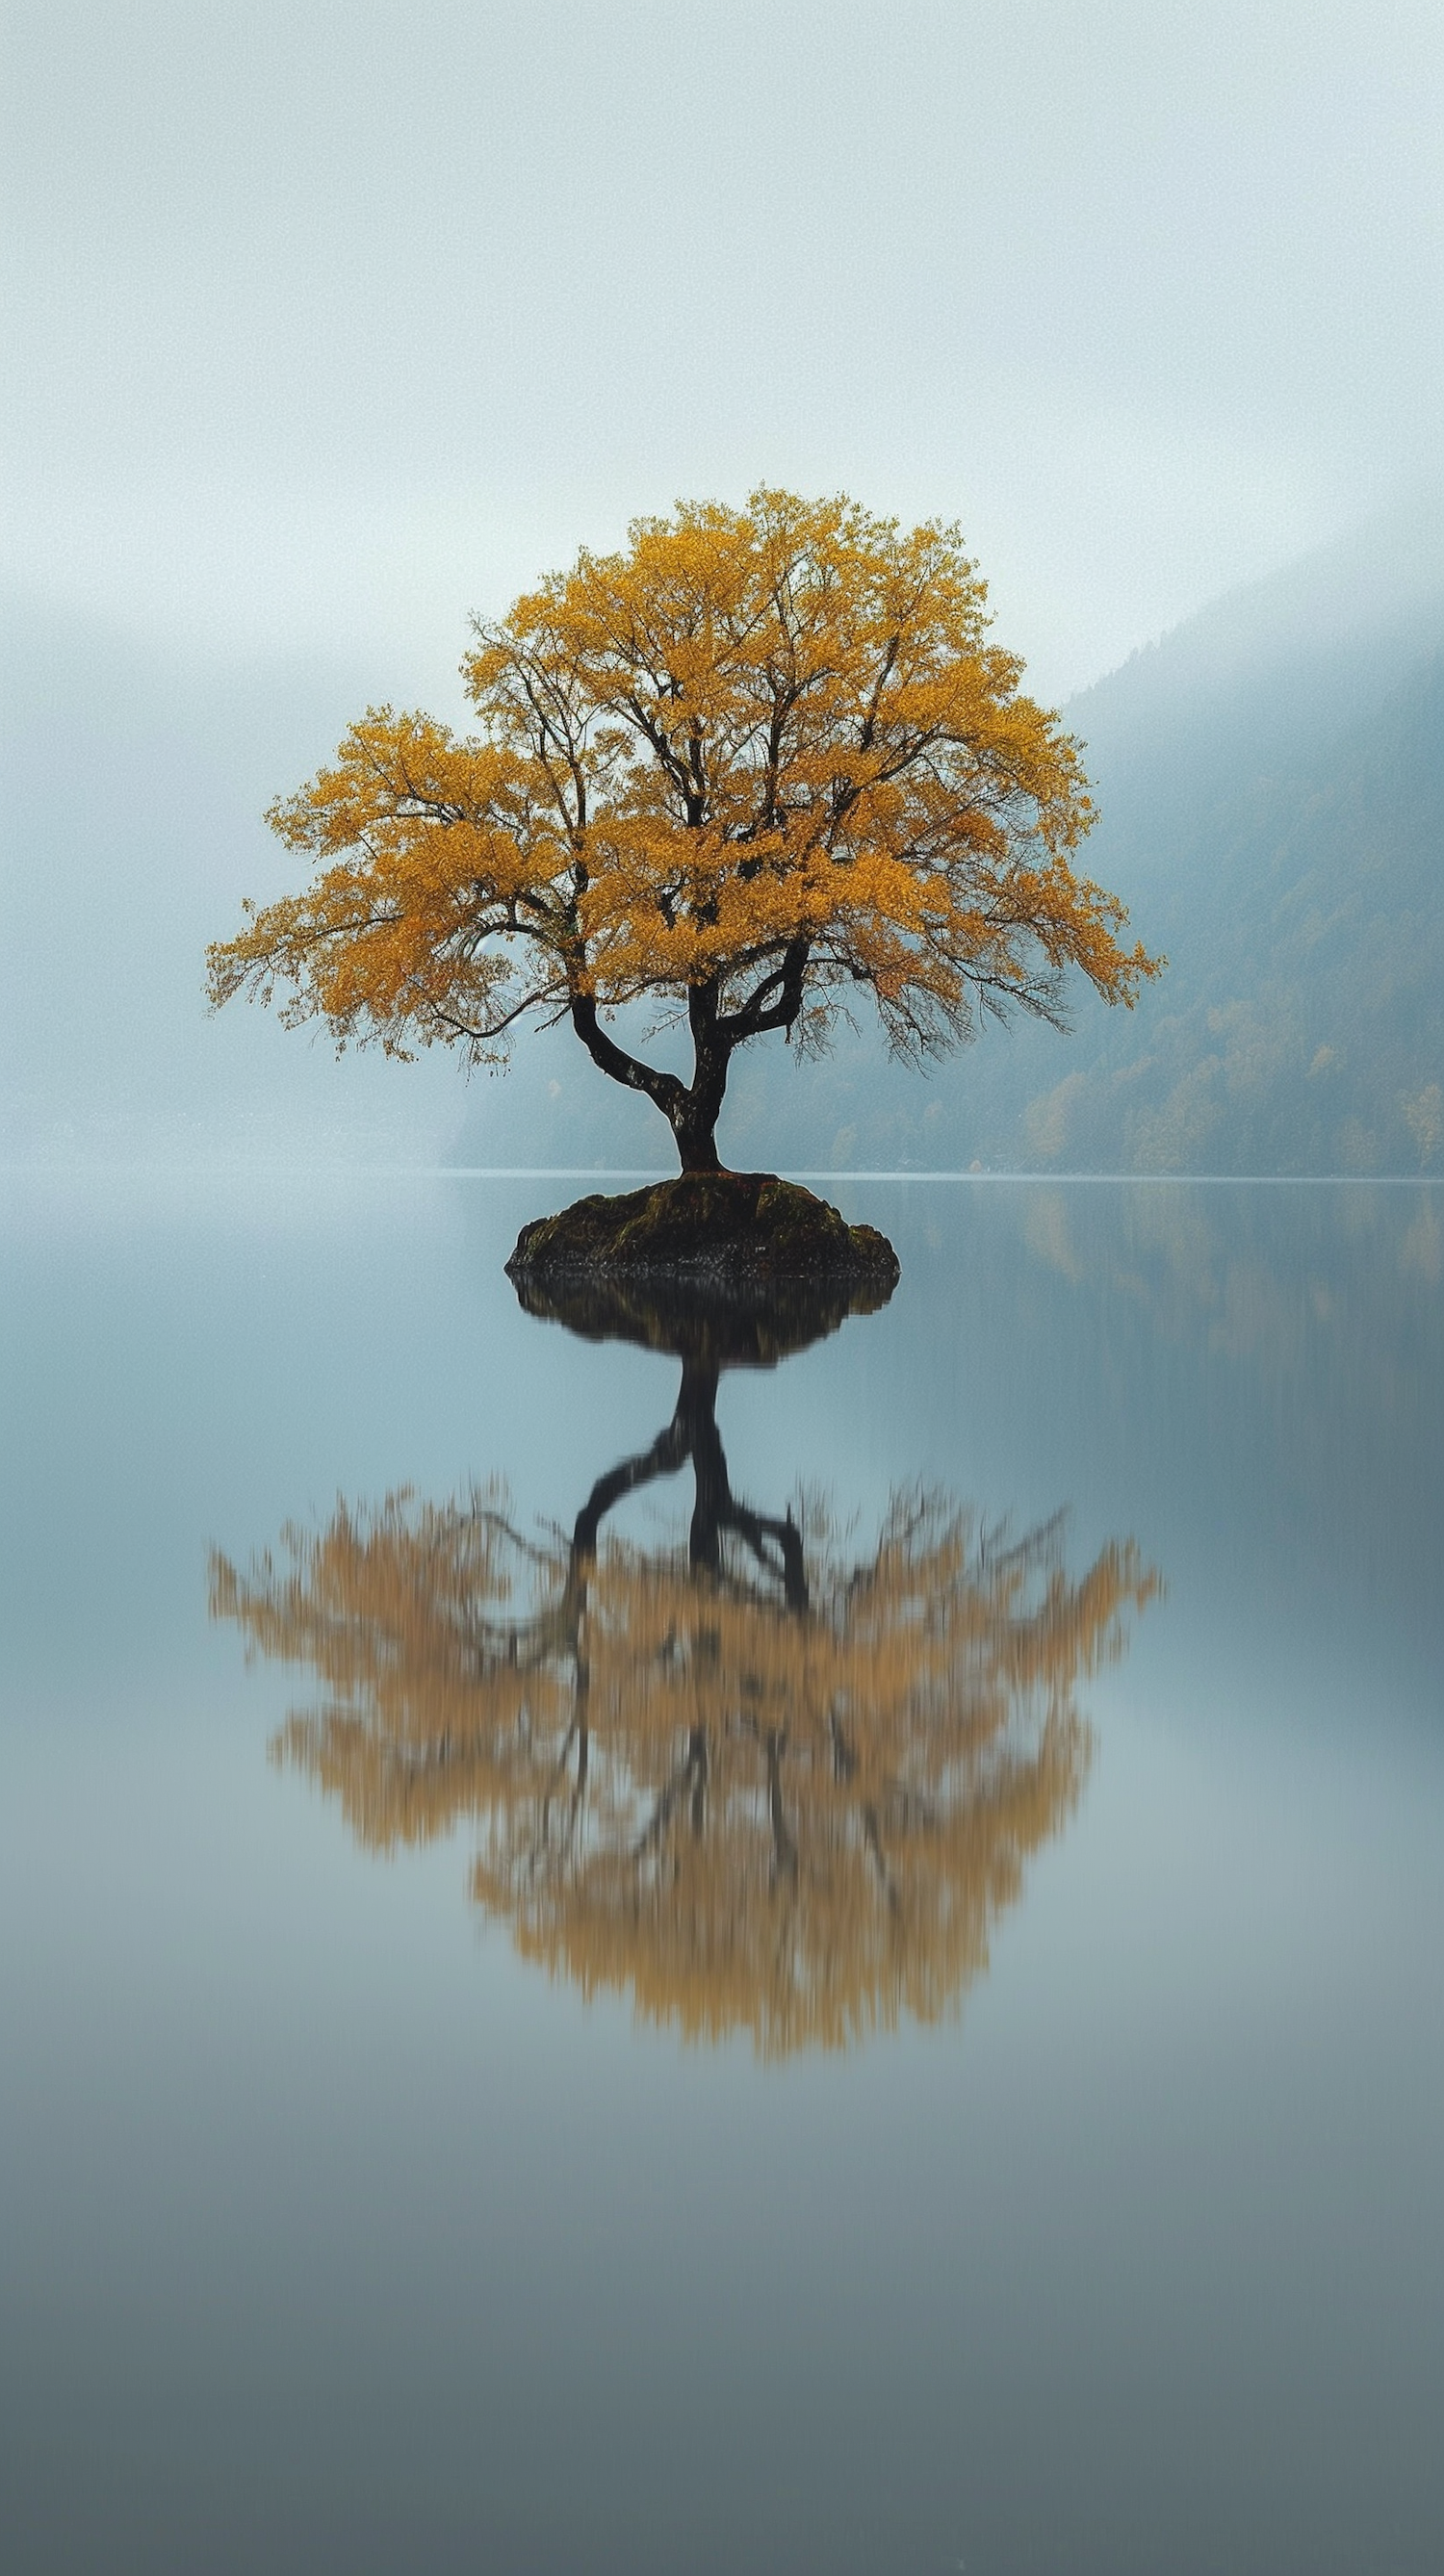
x: 764, y: 1781
x: 761, y: 761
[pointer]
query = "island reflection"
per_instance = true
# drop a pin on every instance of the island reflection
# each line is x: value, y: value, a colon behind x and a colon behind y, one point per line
x: 763, y: 1780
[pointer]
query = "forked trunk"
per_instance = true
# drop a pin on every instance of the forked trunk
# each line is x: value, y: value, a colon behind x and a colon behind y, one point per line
x: 690, y: 1109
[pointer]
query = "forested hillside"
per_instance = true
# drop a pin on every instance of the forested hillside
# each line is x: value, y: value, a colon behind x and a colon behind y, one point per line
x: 1301, y: 1024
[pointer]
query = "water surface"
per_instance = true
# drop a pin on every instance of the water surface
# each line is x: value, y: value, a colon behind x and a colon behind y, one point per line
x: 617, y: 1960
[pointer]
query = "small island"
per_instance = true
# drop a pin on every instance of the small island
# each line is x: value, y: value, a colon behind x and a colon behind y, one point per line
x: 734, y: 1230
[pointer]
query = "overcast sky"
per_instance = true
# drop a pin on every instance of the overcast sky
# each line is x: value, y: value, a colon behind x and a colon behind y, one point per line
x: 330, y: 322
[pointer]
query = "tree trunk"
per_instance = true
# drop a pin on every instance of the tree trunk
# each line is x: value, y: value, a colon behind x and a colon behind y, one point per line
x: 695, y: 1112
x: 694, y: 1132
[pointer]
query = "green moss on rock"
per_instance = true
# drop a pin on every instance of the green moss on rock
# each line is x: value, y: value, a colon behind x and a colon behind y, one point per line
x: 738, y: 1226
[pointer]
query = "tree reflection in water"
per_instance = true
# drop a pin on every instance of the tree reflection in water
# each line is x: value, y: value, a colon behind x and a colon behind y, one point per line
x: 763, y: 1780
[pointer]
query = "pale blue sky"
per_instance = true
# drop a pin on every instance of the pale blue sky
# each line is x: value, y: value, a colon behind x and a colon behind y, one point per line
x: 330, y: 322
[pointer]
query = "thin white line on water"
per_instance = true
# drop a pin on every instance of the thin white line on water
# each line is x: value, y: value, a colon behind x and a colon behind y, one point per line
x: 222, y: 1167
x: 1013, y: 1180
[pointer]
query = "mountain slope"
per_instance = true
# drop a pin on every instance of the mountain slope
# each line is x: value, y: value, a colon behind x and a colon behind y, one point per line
x: 1300, y: 1027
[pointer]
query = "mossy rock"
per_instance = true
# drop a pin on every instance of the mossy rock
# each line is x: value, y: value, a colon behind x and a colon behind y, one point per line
x: 717, y: 1226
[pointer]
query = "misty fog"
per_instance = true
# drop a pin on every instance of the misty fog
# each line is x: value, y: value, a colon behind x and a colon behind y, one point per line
x: 331, y: 327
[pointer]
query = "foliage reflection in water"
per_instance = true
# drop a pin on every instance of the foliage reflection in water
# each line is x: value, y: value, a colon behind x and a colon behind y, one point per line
x: 764, y: 1780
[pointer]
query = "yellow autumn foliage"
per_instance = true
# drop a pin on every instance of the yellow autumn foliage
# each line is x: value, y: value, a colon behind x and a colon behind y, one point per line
x: 761, y: 759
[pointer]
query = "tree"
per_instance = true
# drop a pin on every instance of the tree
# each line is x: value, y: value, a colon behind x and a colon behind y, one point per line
x: 759, y: 1780
x: 764, y: 759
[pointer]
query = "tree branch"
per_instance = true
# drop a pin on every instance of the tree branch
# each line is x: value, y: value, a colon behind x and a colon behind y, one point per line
x: 663, y: 1089
x: 754, y: 1019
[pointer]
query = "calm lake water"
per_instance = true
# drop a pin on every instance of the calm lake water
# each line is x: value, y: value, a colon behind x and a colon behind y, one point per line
x: 863, y: 1996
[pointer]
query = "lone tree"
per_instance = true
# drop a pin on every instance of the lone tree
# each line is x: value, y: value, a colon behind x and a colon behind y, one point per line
x: 763, y: 759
